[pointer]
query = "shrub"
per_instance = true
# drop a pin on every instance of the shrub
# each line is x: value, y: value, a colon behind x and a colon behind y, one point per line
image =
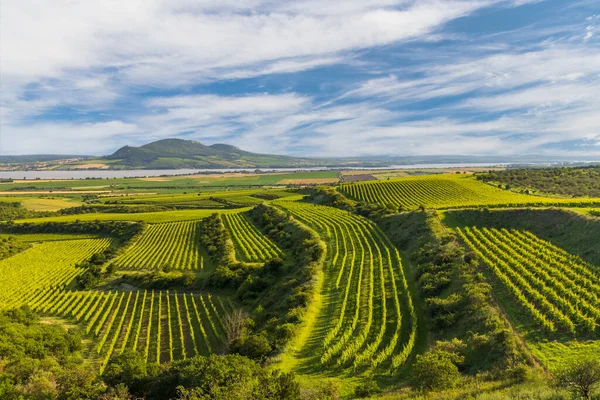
x: 436, y: 370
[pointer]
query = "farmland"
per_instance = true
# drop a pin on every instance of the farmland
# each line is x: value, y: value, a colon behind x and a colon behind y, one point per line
x: 249, y: 243
x: 447, y: 191
x: 163, y: 326
x: 168, y: 245
x: 339, y: 284
x: 370, y: 321
x: 43, y: 266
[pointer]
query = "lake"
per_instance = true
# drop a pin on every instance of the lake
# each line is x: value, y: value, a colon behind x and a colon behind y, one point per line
x: 31, y: 175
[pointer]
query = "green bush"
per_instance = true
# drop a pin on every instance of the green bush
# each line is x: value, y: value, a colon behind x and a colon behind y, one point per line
x: 436, y: 370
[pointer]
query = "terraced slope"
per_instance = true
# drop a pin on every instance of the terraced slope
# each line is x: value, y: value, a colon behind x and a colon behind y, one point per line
x: 163, y: 325
x: 250, y: 244
x: 173, y: 244
x: 445, y: 191
x: 49, y: 264
x: 559, y: 291
x: 368, y: 319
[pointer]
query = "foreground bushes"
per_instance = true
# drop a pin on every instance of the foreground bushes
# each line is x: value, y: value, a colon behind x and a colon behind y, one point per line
x: 215, y: 377
x: 459, y: 300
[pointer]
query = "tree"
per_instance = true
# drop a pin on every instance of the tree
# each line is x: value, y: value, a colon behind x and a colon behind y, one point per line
x: 235, y: 325
x: 580, y: 376
x: 436, y: 370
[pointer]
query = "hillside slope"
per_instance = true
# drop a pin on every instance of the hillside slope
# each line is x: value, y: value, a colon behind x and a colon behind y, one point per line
x: 179, y: 153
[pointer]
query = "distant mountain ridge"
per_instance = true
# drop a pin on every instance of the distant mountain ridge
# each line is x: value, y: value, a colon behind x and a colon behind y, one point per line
x: 180, y: 153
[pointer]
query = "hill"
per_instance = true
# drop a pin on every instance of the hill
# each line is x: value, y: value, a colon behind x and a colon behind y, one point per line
x: 576, y: 182
x: 179, y: 153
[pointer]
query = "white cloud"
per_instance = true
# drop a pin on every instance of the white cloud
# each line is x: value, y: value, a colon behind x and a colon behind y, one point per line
x: 88, y: 55
x: 65, y: 138
x: 156, y: 39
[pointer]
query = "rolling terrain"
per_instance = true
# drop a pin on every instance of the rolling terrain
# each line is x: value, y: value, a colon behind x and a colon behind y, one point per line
x: 355, y: 288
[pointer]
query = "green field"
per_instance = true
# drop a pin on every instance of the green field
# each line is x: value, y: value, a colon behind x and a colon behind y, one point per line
x: 321, y: 281
x: 149, y: 217
x: 172, y: 245
x: 161, y: 325
x: 367, y: 319
x: 447, y: 191
x: 172, y: 184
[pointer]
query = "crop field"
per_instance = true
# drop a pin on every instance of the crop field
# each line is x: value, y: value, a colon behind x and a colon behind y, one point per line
x: 162, y: 325
x: 551, y: 296
x: 49, y: 264
x: 368, y: 320
x: 447, y: 191
x: 149, y: 217
x: 47, y: 237
x: 558, y: 290
x: 36, y: 203
x: 250, y: 244
x: 172, y: 244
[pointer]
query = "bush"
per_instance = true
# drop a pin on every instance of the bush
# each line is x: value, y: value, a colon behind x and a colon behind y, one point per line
x: 256, y: 347
x: 367, y: 388
x: 436, y: 370
x: 581, y: 377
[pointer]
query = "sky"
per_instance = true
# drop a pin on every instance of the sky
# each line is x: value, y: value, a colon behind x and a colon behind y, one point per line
x: 304, y: 77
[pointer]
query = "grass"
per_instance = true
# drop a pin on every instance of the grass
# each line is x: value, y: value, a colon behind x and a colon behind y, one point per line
x: 54, y: 204
x: 149, y: 217
x: 570, y: 231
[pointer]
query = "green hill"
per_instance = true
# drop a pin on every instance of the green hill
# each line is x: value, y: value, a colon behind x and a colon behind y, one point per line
x: 179, y: 153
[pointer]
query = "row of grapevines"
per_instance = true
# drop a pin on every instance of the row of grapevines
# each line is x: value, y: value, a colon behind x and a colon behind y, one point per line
x: 367, y: 290
x: 188, y: 323
x: 534, y: 271
x: 443, y: 192
x: 250, y: 244
x: 27, y: 274
x: 173, y: 244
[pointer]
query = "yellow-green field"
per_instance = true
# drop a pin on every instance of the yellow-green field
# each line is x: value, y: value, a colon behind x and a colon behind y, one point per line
x: 149, y: 217
x: 448, y: 191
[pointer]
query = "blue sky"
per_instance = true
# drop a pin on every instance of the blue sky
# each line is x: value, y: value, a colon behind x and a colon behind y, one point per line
x: 308, y: 77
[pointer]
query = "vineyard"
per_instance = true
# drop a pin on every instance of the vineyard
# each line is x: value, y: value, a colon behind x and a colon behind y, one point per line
x: 557, y: 290
x: 163, y: 325
x: 49, y: 264
x: 149, y: 217
x: 250, y: 244
x: 174, y: 245
x: 446, y: 191
x: 370, y: 321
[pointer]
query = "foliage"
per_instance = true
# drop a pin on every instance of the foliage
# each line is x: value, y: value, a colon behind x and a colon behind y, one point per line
x: 581, y: 377
x: 42, y: 361
x: 212, y: 377
x: 446, y: 191
x: 437, y: 369
x: 9, y: 246
x: 565, y: 181
x: 215, y: 240
x: 459, y: 300
x: 122, y: 230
